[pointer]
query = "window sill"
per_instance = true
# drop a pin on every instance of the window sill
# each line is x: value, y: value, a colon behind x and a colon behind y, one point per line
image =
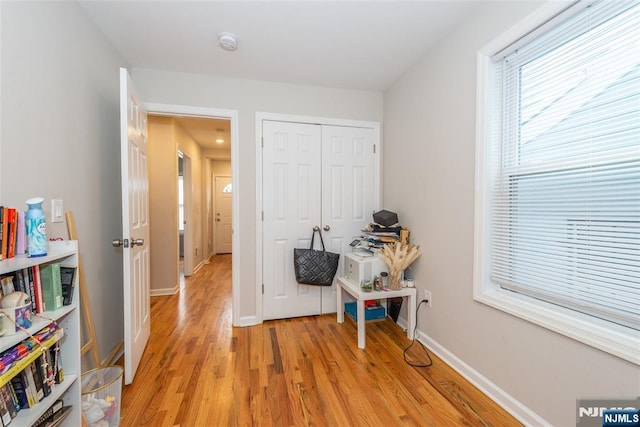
x: 614, y: 339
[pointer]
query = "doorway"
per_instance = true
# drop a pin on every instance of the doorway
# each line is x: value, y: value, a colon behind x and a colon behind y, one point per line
x: 203, y: 192
x: 223, y: 190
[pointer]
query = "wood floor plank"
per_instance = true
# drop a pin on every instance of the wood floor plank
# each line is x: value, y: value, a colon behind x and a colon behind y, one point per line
x: 198, y: 370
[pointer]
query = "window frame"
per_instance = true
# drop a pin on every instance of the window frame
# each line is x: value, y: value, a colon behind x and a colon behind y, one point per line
x: 609, y: 337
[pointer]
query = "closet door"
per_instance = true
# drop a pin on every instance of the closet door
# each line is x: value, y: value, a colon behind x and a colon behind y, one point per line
x: 348, y: 184
x: 313, y: 175
x: 291, y: 181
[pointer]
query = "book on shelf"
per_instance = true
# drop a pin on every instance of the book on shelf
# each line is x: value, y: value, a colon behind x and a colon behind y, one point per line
x: 51, y: 285
x: 48, y: 415
x: 41, y: 366
x: 54, y: 415
x: 37, y: 290
x: 67, y: 275
x: 2, y: 232
x: 59, y: 416
x: 56, y: 364
x: 6, y: 282
x: 7, y: 394
x: 13, y: 237
x: 21, y: 234
x: 28, y: 274
x: 14, y: 399
x: 21, y: 388
x: 37, y: 379
x: 31, y: 382
x: 5, y: 416
x: 6, y: 229
x: 19, y: 281
x: 11, y: 244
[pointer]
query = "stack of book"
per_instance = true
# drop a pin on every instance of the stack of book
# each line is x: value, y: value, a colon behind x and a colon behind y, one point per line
x: 49, y: 287
x: 30, y: 371
x: 12, y: 232
x: 375, y: 236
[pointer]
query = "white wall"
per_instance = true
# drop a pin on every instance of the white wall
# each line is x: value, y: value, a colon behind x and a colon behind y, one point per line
x: 429, y: 117
x: 60, y: 138
x: 162, y: 154
x: 249, y: 97
x: 191, y: 149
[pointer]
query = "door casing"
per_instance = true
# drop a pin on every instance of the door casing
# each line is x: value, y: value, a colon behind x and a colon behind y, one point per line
x: 260, y: 117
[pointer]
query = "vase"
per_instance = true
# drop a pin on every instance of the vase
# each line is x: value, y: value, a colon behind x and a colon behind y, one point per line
x: 395, y: 280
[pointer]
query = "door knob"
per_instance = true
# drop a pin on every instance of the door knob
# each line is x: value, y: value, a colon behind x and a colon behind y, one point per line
x: 326, y: 228
x: 116, y: 243
x: 137, y: 242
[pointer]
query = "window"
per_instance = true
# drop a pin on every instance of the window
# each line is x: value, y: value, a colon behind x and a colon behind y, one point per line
x: 560, y: 168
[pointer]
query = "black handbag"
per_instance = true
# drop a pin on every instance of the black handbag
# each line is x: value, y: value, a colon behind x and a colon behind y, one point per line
x: 315, y: 267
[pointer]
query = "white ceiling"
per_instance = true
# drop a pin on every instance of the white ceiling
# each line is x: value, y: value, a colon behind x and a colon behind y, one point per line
x: 362, y: 44
x: 206, y: 131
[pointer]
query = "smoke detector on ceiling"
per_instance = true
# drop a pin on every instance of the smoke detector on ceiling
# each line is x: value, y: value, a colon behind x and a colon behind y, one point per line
x: 228, y: 41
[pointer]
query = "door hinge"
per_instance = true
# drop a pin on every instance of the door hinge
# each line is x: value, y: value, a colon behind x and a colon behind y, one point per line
x: 262, y: 143
x: 263, y: 215
x: 374, y: 148
x: 263, y: 289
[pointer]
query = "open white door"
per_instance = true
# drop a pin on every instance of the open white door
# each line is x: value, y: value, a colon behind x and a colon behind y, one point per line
x: 135, y: 225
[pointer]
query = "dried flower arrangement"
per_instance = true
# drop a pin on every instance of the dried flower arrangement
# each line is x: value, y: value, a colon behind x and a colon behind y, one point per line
x: 398, y: 256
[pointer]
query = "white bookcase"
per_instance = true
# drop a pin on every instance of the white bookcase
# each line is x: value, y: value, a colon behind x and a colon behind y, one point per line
x: 68, y: 318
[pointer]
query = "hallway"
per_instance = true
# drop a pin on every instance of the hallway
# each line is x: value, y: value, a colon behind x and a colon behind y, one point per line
x: 200, y: 371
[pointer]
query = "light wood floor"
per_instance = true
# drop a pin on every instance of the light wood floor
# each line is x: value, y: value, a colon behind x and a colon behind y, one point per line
x: 198, y: 370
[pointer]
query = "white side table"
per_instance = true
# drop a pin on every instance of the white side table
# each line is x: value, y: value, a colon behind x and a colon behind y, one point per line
x: 354, y: 290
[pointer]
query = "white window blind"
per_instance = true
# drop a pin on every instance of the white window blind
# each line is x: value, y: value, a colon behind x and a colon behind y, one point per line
x: 566, y: 156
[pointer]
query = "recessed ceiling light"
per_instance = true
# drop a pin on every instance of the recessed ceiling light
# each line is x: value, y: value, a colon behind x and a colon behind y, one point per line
x: 219, y: 137
x: 228, y: 41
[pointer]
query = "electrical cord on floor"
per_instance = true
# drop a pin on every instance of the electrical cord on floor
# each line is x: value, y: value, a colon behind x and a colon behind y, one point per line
x: 404, y: 352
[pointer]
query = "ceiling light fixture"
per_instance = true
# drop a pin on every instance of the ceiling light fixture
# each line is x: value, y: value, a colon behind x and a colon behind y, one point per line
x: 219, y: 138
x: 228, y: 41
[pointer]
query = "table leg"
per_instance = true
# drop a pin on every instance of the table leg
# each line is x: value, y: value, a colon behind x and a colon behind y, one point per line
x: 361, y: 322
x: 340, y: 310
x: 412, y: 316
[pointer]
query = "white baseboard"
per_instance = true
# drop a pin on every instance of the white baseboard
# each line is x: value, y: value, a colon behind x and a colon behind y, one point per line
x: 248, y: 321
x: 164, y: 291
x: 491, y: 390
x: 116, y: 353
x: 199, y: 266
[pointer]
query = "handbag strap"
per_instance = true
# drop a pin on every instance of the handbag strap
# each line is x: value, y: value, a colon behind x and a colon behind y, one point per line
x: 313, y: 236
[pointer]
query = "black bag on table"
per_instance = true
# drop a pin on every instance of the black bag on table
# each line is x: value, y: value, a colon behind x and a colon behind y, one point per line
x: 315, y: 267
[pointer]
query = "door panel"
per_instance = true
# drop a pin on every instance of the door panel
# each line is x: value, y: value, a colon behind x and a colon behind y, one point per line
x: 135, y: 225
x: 291, y: 207
x: 348, y: 191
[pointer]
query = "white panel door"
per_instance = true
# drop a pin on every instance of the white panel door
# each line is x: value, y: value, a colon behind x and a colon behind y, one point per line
x: 291, y: 180
x: 223, y: 191
x: 348, y: 184
x: 135, y: 225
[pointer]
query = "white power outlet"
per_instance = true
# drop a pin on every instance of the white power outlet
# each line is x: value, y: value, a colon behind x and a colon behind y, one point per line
x: 427, y: 296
